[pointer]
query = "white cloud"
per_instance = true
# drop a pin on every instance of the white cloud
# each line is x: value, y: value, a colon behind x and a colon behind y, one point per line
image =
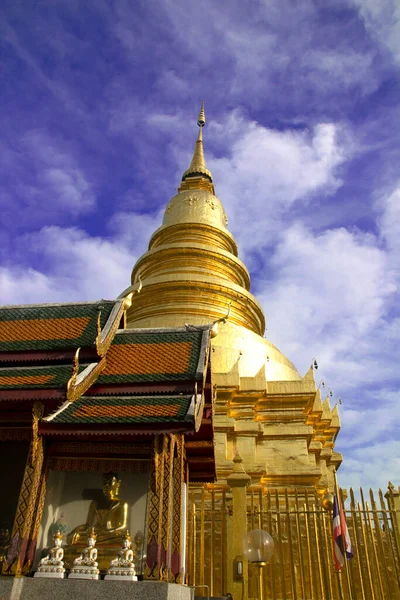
x: 271, y: 170
x: 383, y: 21
x: 133, y: 230
x: 28, y: 286
x: 42, y: 182
x: 373, y: 465
x: 75, y: 265
x: 69, y: 188
x: 343, y: 67
x: 389, y: 221
x: 327, y: 292
x: 60, y: 181
x: 275, y: 45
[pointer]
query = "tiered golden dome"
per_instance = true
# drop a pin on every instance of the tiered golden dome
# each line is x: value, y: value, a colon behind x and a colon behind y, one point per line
x: 191, y: 272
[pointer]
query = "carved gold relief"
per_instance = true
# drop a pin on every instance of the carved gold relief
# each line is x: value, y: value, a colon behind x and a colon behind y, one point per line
x: 37, y: 414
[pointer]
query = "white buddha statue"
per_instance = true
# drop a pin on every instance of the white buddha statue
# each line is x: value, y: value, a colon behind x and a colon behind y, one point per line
x: 86, y: 565
x: 123, y: 567
x: 52, y: 565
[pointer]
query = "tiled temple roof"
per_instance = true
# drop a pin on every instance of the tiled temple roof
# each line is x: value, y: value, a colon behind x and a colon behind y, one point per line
x: 125, y: 410
x: 53, y: 376
x: 155, y: 355
x: 100, y: 381
x: 52, y: 326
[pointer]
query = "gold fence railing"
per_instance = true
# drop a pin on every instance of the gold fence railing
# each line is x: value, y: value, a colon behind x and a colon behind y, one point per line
x: 302, y: 564
x: 207, y: 539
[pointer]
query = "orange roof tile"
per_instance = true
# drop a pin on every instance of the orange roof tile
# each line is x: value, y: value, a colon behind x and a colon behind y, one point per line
x: 140, y: 359
x: 127, y: 411
x: 25, y: 380
x: 43, y: 329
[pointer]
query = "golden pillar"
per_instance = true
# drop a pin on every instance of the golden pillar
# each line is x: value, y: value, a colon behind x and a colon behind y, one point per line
x: 160, y: 507
x: 237, y: 567
x: 30, y: 504
x: 178, y: 478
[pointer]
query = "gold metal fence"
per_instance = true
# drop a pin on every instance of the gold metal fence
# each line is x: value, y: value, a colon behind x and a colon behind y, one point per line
x: 302, y: 564
x: 207, y: 539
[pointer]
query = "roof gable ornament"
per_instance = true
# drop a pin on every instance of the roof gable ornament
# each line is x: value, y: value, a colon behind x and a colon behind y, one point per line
x: 79, y: 382
x: 214, y: 330
x: 105, y: 336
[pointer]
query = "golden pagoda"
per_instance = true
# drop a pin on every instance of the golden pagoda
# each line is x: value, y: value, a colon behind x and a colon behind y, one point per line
x: 265, y: 410
x: 274, y: 434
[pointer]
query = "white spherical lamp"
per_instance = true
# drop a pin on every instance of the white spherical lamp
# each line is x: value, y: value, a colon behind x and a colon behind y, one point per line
x: 258, y: 546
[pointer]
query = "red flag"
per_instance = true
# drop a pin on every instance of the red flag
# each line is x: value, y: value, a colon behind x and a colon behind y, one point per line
x: 340, y: 534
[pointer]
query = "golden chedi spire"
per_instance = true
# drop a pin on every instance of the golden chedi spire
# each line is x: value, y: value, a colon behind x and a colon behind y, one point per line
x: 198, y: 165
x: 191, y: 273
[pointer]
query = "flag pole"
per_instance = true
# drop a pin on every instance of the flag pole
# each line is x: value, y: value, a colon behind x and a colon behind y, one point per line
x: 346, y: 568
x: 340, y: 585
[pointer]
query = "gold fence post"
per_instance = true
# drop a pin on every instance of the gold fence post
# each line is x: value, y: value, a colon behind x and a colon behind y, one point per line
x: 238, y: 481
x: 393, y: 498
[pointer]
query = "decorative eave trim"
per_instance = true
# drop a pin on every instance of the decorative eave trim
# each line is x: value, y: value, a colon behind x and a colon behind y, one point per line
x: 105, y: 336
x: 80, y: 382
x: 141, y: 388
x: 111, y: 431
x: 45, y: 356
x: 199, y: 408
x: 49, y: 304
x: 202, y: 364
x: 29, y: 395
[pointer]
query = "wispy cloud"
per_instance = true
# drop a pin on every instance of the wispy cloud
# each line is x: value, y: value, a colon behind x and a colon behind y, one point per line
x: 46, y: 181
x: 383, y: 21
x: 270, y: 172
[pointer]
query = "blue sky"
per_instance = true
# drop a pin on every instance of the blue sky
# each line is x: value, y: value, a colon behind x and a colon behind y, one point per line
x: 98, y: 107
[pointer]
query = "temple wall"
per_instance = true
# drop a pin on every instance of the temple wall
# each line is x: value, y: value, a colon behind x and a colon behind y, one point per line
x: 70, y: 494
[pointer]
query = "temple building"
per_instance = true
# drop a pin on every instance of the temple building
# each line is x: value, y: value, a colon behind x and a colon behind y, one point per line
x: 166, y: 419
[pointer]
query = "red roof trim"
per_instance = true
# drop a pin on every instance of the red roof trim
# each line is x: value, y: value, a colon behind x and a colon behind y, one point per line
x: 139, y: 388
x: 38, y: 394
x: 111, y: 430
x: 86, y: 354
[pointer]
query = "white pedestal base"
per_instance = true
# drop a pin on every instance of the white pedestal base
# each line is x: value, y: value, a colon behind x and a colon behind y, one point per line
x: 50, y: 574
x: 121, y: 577
x: 83, y: 576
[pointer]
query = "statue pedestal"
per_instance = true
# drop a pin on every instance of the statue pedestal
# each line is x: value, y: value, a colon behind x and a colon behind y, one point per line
x: 33, y: 588
x: 120, y: 577
x: 84, y: 575
x: 51, y: 574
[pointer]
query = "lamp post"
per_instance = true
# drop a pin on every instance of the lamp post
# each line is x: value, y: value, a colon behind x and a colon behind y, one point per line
x: 258, y: 547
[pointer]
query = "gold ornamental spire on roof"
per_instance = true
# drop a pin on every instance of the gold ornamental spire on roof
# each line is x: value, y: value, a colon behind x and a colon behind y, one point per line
x: 198, y: 165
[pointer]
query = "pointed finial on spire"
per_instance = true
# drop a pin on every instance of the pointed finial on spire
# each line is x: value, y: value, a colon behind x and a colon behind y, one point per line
x: 201, y: 121
x: 198, y: 165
